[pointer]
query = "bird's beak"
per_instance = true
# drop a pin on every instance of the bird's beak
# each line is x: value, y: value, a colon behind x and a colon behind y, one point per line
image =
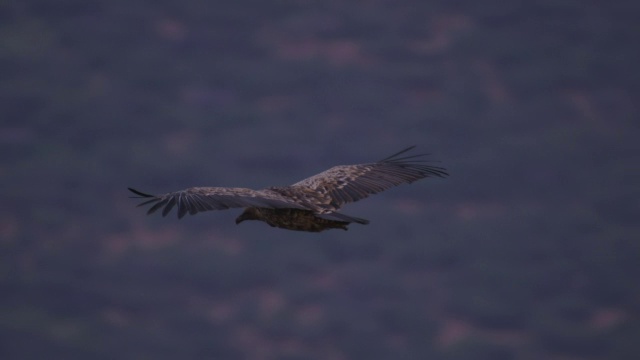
x: 248, y: 214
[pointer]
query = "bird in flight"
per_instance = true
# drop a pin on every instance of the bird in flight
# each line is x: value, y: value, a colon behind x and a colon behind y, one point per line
x: 309, y: 205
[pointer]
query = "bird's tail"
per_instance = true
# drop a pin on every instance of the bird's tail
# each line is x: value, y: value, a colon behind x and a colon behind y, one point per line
x: 343, y: 217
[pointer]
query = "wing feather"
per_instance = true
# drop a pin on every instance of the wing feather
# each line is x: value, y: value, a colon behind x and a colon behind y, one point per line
x: 170, y: 204
x: 199, y: 199
x: 348, y: 183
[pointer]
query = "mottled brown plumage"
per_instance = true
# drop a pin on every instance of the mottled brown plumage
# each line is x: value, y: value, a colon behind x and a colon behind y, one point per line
x: 291, y: 219
x: 308, y: 205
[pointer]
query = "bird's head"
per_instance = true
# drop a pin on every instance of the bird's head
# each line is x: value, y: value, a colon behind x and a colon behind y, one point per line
x: 248, y: 214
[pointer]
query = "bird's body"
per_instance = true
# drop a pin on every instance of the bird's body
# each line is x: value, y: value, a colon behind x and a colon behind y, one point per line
x: 292, y: 219
x: 309, y: 205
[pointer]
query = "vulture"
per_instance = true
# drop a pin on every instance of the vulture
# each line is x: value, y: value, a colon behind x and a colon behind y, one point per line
x: 309, y: 205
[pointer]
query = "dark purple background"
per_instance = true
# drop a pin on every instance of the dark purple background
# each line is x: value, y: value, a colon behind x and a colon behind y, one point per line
x: 530, y: 250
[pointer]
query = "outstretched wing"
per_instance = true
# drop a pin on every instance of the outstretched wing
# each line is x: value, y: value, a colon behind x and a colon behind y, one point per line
x: 348, y: 183
x: 197, y: 199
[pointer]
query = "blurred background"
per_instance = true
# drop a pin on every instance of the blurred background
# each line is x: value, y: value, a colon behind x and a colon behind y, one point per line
x: 529, y: 250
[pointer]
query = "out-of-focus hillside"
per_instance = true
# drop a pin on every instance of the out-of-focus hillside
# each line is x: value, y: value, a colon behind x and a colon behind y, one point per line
x: 528, y: 251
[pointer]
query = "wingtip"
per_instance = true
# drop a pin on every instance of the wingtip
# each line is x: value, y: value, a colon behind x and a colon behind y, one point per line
x: 392, y: 157
x: 139, y: 193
